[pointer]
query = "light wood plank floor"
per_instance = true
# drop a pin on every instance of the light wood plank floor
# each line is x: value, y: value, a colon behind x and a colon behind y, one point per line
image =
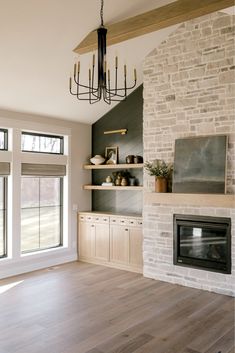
x: 84, y: 308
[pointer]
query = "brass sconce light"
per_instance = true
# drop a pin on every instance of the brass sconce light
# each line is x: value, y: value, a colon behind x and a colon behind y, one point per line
x: 121, y: 131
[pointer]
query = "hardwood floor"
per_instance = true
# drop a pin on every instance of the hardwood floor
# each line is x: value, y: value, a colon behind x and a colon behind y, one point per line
x: 84, y: 308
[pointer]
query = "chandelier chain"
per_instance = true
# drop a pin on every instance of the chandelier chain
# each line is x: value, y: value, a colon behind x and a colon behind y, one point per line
x: 102, y: 12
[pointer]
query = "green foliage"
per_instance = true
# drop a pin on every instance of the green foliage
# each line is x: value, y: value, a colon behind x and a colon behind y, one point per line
x: 158, y: 168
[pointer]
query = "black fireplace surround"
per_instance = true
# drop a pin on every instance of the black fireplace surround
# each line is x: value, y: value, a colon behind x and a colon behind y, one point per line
x: 202, y: 242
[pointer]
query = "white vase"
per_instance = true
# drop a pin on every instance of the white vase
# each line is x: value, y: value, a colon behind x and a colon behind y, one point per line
x: 97, y: 159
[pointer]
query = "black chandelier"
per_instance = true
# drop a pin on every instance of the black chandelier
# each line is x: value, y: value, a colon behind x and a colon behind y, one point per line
x: 103, y: 89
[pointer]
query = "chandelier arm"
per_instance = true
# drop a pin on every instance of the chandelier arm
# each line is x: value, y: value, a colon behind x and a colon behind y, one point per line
x: 73, y: 94
x: 83, y: 94
x: 118, y: 100
x: 87, y: 99
x: 123, y: 88
x: 114, y: 94
x: 107, y: 96
x: 84, y: 86
x: 117, y: 95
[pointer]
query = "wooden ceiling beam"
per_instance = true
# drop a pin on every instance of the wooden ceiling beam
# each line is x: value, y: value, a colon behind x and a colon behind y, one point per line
x: 162, y: 17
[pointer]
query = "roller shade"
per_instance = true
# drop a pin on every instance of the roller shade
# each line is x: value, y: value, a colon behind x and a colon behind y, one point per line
x: 43, y: 169
x: 4, y: 168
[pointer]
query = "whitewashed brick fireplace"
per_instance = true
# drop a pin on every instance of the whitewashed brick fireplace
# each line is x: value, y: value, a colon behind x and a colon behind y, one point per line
x: 189, y: 90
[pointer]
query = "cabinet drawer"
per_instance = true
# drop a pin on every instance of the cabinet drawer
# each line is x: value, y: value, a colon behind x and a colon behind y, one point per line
x: 132, y: 222
x: 101, y: 219
x: 139, y: 223
x: 123, y: 221
x: 113, y: 220
x: 89, y: 218
x: 81, y: 218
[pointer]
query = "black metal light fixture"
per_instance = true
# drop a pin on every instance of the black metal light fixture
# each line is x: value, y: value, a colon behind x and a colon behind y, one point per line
x: 103, y: 89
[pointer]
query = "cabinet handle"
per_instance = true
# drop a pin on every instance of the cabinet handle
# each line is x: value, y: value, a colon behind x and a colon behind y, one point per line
x: 92, y: 225
x: 126, y: 229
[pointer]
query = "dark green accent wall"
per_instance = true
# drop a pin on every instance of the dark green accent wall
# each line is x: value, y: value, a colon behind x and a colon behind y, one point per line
x: 126, y: 115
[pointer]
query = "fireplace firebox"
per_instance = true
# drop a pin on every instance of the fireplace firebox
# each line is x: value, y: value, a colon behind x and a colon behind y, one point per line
x: 202, y: 242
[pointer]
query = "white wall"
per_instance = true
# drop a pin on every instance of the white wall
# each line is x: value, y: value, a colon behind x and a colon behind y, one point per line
x: 80, y: 147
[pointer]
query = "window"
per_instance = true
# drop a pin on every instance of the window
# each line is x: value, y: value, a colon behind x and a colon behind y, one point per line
x: 3, y: 229
x: 32, y: 142
x: 41, y: 213
x: 3, y: 140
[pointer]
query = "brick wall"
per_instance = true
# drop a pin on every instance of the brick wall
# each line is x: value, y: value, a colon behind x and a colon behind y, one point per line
x: 189, y: 90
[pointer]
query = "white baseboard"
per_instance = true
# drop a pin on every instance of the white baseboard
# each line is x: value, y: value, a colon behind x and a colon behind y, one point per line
x: 17, y: 268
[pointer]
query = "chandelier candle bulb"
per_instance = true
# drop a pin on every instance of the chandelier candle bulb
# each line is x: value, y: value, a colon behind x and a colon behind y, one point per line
x: 116, y: 62
x: 93, y: 63
x: 135, y: 75
x: 78, y: 67
x: 75, y: 70
x: 124, y: 70
x: 105, y: 63
x: 70, y: 83
x: 108, y: 75
x: 89, y: 74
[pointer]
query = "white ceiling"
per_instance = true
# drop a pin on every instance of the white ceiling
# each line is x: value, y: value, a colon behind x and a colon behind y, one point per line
x: 37, y: 39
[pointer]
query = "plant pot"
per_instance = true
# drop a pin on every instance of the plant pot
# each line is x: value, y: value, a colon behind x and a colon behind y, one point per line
x: 160, y: 184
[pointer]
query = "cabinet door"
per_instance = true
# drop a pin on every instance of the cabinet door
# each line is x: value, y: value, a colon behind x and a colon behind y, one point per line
x: 102, y: 242
x: 86, y: 239
x: 136, y: 252
x: 119, y: 244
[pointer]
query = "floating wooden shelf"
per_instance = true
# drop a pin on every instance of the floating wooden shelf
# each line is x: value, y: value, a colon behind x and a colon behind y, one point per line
x: 113, y: 166
x: 114, y: 188
x: 203, y: 200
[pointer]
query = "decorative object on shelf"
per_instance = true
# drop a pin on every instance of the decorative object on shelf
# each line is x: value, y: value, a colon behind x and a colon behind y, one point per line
x: 200, y: 165
x: 124, y: 181
x: 161, y: 171
x: 108, y: 179
x: 130, y: 159
x: 118, y: 179
x: 111, y: 155
x: 124, y: 178
x: 107, y: 184
x: 138, y: 159
x: 97, y: 159
x: 132, y: 181
x: 120, y: 131
x: 103, y: 90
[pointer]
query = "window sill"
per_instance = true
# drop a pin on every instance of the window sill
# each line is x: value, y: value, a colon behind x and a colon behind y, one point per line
x: 45, y: 251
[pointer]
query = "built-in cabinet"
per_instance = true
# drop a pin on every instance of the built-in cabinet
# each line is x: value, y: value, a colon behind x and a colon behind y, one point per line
x: 111, y: 240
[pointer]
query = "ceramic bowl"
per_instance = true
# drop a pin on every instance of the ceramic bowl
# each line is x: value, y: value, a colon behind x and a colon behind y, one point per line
x: 97, y: 159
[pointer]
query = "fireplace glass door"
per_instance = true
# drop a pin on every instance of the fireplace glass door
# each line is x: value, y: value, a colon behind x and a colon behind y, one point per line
x: 202, y: 242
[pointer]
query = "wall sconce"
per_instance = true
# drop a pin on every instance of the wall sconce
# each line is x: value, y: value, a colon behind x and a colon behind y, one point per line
x: 121, y: 131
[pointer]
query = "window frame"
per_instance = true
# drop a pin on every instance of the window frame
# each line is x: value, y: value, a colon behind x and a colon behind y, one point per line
x: 32, y: 251
x: 5, y: 233
x: 61, y: 138
x: 5, y: 131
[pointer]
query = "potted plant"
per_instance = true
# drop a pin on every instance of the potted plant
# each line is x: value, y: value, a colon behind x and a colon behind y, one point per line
x: 161, y: 171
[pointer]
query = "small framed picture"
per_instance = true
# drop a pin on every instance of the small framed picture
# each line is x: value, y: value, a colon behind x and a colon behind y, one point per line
x: 111, y: 155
